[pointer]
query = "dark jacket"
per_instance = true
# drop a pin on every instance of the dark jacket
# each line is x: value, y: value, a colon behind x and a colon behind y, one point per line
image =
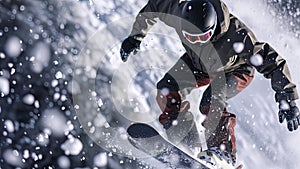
x: 220, y: 55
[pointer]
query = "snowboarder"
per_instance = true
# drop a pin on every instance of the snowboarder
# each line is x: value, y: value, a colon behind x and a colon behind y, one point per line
x: 210, y: 34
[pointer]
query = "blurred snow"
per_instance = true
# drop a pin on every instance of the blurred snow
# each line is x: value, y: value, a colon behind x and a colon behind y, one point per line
x: 29, y: 99
x: 40, y: 57
x: 72, y: 146
x: 9, y: 126
x: 13, y: 46
x: 4, y: 86
x: 284, y: 105
x: 26, y: 154
x: 100, y: 160
x: 256, y: 60
x: 43, y: 139
x: 54, y: 120
x: 2, y: 55
x: 238, y: 47
x: 13, y: 157
x: 63, y: 162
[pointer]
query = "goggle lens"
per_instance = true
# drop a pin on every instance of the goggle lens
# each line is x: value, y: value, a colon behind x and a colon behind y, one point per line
x: 202, y: 37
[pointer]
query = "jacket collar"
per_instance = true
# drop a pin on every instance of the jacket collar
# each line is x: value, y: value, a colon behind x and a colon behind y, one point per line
x: 223, y: 16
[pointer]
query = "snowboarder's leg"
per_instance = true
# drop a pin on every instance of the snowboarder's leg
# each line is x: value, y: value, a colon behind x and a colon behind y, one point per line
x: 180, y: 78
x: 219, y: 123
x: 176, y: 119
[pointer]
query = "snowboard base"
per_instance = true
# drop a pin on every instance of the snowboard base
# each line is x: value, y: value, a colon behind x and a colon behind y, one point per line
x: 147, y: 139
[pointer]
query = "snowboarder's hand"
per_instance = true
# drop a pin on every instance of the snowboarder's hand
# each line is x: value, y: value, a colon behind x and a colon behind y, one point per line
x: 129, y: 45
x: 289, y: 111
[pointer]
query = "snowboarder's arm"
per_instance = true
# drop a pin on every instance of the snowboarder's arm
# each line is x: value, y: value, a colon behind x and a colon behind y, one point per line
x: 273, y: 67
x: 276, y: 68
x: 144, y: 21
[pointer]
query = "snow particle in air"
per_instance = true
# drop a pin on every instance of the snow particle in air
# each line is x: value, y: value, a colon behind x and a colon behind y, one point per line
x: 12, y: 157
x: 54, y: 83
x: 26, y: 154
x: 54, y: 120
x: 238, y: 47
x: 2, y: 55
x: 9, y: 125
x: 22, y: 8
x: 41, y: 56
x: 223, y: 147
x: 4, y: 86
x: 284, y: 105
x: 100, y: 102
x: 100, y: 160
x: 63, y: 162
x: 28, y: 99
x: 72, y: 146
x: 13, y: 46
x: 256, y: 60
x: 175, y: 123
x: 43, y: 139
x: 59, y: 75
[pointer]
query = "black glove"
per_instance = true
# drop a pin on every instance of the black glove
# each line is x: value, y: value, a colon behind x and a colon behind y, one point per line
x: 129, y: 45
x: 289, y: 111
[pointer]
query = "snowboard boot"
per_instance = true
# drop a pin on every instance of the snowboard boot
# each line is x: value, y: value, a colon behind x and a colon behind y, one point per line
x: 223, y: 135
x: 218, y: 158
x: 221, y: 142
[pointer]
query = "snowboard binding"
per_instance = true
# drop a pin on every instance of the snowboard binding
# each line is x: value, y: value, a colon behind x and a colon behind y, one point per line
x: 218, y: 158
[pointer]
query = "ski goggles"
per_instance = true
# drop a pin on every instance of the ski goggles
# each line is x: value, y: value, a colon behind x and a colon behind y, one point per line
x: 201, y: 37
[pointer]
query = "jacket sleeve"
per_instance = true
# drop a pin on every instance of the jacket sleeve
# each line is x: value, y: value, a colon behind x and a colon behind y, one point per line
x: 276, y: 68
x: 145, y: 19
x: 273, y: 67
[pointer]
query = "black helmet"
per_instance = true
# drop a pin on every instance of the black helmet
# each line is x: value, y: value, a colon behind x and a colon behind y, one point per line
x: 199, y: 20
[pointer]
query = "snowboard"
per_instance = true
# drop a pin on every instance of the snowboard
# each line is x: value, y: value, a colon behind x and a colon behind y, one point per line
x: 145, y: 138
